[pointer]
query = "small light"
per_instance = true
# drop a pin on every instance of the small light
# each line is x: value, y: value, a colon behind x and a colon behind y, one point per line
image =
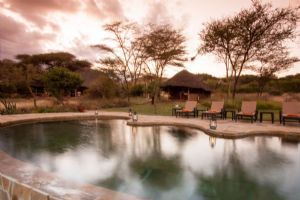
x: 96, y: 113
x: 212, y: 141
x: 213, y: 123
x: 130, y: 112
x: 134, y: 130
x: 134, y: 117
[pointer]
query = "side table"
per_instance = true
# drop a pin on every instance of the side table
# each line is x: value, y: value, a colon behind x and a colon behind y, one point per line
x: 262, y: 113
x: 232, y: 111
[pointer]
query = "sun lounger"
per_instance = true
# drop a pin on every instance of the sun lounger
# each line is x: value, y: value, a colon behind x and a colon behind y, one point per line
x: 290, y: 112
x: 216, y: 110
x: 248, y: 110
x: 190, y: 108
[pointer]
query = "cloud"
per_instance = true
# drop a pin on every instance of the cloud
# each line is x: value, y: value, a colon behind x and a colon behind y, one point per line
x: 35, y: 26
x: 102, y: 9
x: 36, y: 11
x: 16, y: 39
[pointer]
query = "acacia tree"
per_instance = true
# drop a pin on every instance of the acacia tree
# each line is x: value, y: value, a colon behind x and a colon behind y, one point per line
x: 50, y: 60
x: 123, y: 55
x: 268, y: 65
x: 162, y: 46
x: 239, y: 39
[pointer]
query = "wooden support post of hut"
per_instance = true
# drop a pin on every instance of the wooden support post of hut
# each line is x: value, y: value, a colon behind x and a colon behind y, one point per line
x: 186, y: 86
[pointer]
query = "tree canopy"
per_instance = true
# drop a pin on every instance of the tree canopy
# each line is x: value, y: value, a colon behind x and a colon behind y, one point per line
x: 250, y: 35
x: 162, y: 46
x: 59, y: 81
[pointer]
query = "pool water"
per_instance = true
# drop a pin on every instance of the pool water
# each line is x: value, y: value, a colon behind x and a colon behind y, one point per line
x: 160, y: 162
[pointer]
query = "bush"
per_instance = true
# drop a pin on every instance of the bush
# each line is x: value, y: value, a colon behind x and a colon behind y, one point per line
x: 54, y: 109
x: 137, y: 90
x: 275, y: 92
x: 9, y: 107
x: 233, y: 104
x: 60, y: 80
x: 104, y: 87
x: 268, y: 105
x: 114, y: 103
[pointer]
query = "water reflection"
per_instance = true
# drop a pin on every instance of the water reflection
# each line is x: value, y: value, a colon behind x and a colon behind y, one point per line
x: 160, y: 162
x: 212, y: 141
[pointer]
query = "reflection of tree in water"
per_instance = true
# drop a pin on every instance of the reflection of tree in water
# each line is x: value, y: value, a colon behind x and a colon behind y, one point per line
x: 181, y: 134
x: 269, y: 159
x: 232, y: 182
x: 158, y: 172
x: 104, y: 141
x: 54, y: 137
x: 113, y: 182
x: 291, y: 142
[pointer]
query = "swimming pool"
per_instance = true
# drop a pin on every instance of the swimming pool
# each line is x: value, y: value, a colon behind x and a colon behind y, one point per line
x: 160, y: 162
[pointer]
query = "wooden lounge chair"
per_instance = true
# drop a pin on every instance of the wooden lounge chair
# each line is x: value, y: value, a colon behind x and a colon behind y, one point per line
x: 190, y: 108
x: 290, y: 111
x: 248, y: 110
x: 216, y: 109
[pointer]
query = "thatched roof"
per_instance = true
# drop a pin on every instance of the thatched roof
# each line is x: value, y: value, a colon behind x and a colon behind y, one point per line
x: 187, y: 80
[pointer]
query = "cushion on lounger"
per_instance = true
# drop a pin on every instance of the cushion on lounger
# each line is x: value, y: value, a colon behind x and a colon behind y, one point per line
x: 293, y: 115
x: 244, y: 113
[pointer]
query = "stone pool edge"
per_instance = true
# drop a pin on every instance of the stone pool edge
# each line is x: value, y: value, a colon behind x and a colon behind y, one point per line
x: 218, y: 134
x: 149, y: 120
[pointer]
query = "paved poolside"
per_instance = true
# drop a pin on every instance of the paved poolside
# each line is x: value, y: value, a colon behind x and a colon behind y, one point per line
x: 226, y: 128
x: 29, y: 176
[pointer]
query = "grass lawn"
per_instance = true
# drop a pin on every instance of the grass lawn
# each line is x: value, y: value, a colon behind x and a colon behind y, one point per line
x: 165, y: 109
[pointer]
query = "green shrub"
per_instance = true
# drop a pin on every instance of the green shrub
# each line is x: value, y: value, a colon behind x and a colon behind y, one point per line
x: 104, y: 87
x: 275, y: 92
x: 118, y: 103
x: 54, y: 109
x: 233, y: 104
x: 137, y: 90
x: 268, y: 105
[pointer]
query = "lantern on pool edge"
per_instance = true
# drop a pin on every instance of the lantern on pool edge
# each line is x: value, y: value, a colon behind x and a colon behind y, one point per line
x: 213, y: 122
x: 134, y: 117
x: 129, y: 112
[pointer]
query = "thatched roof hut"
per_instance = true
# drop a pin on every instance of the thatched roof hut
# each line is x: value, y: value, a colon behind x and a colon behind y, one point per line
x: 185, y: 85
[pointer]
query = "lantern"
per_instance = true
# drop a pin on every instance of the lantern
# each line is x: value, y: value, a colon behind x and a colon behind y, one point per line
x: 134, y: 117
x: 129, y: 112
x: 213, y: 123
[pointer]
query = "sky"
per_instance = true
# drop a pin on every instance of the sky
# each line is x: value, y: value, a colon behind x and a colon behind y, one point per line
x: 41, y: 26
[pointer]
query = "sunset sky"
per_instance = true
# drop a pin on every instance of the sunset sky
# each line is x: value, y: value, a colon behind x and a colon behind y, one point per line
x: 38, y: 26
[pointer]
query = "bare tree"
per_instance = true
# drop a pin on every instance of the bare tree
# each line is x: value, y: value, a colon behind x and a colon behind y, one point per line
x: 123, y: 54
x: 163, y: 46
x: 252, y: 31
